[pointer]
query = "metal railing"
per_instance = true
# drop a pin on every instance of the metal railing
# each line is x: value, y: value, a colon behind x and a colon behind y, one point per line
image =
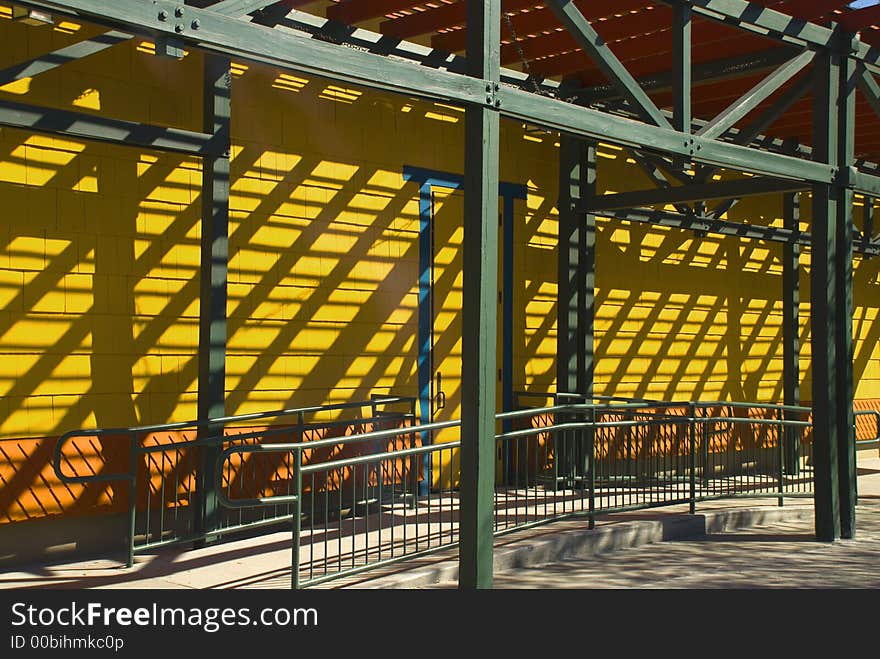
x: 163, y: 463
x: 566, y: 460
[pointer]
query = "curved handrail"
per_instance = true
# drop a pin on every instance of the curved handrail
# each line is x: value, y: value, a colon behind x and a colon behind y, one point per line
x: 133, y: 431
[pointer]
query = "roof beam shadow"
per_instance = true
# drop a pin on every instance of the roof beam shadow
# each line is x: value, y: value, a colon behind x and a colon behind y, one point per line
x: 76, y: 51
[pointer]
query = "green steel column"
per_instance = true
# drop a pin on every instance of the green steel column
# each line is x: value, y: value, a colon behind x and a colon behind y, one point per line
x: 844, y: 298
x: 568, y: 260
x: 791, y: 254
x: 587, y: 275
x: 479, y: 313
x: 214, y: 269
x: 576, y: 291
x: 823, y: 304
x: 681, y: 68
x: 576, y: 267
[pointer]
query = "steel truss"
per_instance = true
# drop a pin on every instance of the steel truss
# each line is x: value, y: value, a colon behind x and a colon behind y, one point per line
x: 680, y: 153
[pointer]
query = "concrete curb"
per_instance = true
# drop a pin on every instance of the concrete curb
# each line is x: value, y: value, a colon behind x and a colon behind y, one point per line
x: 583, y: 543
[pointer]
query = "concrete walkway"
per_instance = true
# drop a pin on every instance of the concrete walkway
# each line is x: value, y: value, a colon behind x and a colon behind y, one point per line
x: 730, y: 544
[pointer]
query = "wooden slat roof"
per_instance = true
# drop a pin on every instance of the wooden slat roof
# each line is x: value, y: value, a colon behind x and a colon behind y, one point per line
x: 639, y: 32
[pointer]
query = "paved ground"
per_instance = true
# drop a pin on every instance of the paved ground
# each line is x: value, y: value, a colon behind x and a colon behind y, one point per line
x: 732, y: 544
x: 784, y: 554
x: 778, y: 555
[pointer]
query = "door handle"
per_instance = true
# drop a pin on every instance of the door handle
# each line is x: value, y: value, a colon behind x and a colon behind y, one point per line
x: 440, y: 397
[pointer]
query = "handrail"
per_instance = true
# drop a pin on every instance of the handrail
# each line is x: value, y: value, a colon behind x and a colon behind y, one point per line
x: 290, y: 447
x: 131, y: 432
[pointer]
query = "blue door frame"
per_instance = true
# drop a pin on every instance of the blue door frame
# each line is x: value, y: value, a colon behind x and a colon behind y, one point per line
x: 509, y: 192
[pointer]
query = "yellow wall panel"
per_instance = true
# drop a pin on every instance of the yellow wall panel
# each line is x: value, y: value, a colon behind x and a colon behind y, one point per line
x: 99, y: 265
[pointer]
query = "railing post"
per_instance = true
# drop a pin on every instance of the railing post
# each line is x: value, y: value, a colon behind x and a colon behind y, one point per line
x: 132, y: 497
x: 414, y: 480
x: 591, y: 466
x: 855, y: 437
x: 297, y: 519
x: 692, y: 435
x: 781, y: 456
x: 704, y: 453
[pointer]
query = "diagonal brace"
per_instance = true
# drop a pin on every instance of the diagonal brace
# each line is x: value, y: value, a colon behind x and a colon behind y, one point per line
x: 588, y: 39
x: 755, y: 96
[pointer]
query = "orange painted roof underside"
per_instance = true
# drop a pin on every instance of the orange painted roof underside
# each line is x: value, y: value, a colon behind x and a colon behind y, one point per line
x: 639, y: 33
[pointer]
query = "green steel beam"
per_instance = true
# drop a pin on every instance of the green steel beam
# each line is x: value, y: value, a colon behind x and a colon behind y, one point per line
x: 823, y: 303
x: 761, y: 20
x: 779, y: 25
x: 845, y: 227
x: 756, y: 185
x: 870, y: 89
x: 243, y: 39
x: 763, y: 121
x: 239, y: 38
x: 791, y: 379
x: 568, y: 118
x: 213, y: 284
x: 240, y: 7
x: 860, y: 182
x: 92, y: 127
x: 659, y: 168
x: 592, y: 44
x: 479, y: 310
x: 375, y: 42
x: 708, y: 224
x: 757, y: 95
x: 868, y: 226
x: 772, y: 113
x: 655, y: 173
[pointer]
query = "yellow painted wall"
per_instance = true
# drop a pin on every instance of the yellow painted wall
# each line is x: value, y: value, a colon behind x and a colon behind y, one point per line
x: 99, y: 252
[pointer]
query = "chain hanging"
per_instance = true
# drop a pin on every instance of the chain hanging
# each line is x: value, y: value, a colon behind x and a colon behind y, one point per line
x: 522, y: 56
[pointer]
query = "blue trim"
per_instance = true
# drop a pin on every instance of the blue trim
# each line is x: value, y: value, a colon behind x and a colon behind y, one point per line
x: 428, y: 179
x: 425, y: 311
x: 432, y: 177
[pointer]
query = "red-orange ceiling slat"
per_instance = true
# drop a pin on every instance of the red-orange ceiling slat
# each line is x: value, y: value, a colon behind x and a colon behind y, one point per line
x: 354, y: 11
x: 810, y: 9
x: 715, y: 96
x: 432, y: 20
x: 860, y: 18
x: 524, y: 24
x: 541, y: 19
x: 712, y: 41
x: 611, y: 30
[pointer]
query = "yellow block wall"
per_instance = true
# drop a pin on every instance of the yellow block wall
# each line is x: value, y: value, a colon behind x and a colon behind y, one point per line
x: 99, y: 254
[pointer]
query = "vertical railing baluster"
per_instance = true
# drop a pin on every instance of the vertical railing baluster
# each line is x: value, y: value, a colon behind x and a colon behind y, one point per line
x: 132, y: 496
x: 692, y: 433
x: 591, y: 467
x: 297, y: 520
x: 781, y: 457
